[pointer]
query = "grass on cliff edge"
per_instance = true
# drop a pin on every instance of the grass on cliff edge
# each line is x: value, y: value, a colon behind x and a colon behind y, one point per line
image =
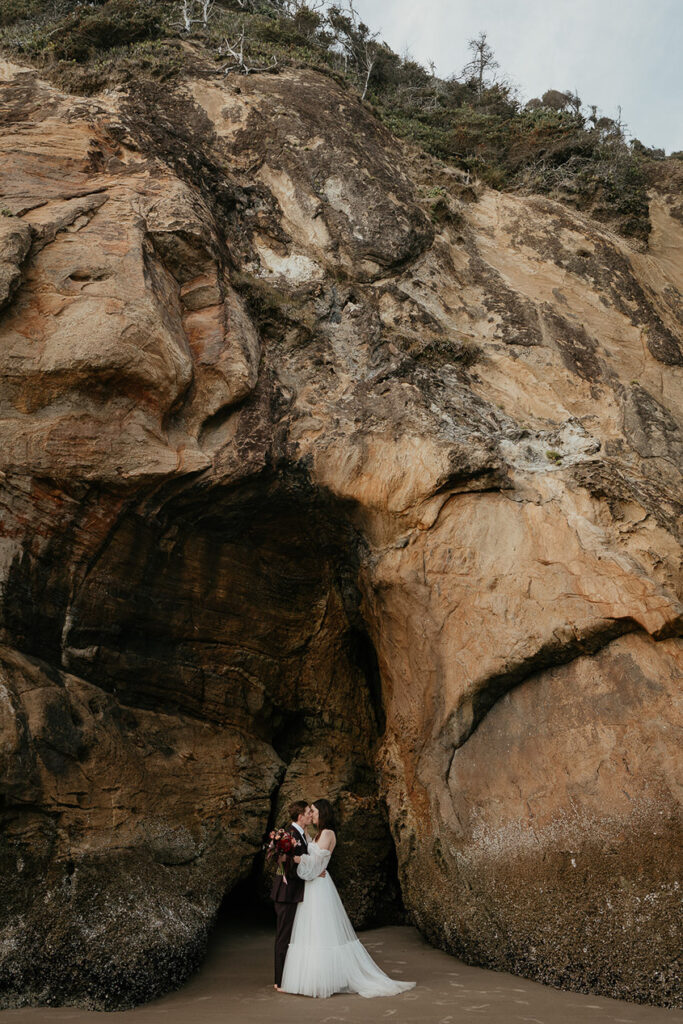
x: 582, y: 160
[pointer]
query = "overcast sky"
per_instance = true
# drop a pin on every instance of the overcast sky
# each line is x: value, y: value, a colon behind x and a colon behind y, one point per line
x: 612, y: 52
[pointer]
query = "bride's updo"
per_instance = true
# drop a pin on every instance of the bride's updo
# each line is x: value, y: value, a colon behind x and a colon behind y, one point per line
x: 325, y: 815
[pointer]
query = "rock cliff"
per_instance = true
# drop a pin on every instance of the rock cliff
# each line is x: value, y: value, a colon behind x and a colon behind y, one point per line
x: 325, y: 471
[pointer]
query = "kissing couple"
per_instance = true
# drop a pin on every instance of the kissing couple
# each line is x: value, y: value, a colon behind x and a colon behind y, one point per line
x: 317, y: 952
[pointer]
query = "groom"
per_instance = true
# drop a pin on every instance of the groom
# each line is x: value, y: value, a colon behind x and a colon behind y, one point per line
x: 286, y: 895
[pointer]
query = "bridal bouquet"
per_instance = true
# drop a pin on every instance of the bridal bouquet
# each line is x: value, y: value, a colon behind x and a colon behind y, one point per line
x: 279, y: 844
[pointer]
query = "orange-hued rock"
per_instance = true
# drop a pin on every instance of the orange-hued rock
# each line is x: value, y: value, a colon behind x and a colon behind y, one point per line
x: 553, y: 826
x: 303, y: 494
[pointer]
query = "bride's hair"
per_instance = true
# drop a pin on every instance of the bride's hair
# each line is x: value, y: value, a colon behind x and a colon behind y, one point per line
x: 325, y: 815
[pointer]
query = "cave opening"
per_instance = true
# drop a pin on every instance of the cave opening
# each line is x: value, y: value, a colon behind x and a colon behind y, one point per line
x: 240, y: 607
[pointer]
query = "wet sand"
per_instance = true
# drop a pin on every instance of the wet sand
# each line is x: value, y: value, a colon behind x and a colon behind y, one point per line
x: 234, y: 986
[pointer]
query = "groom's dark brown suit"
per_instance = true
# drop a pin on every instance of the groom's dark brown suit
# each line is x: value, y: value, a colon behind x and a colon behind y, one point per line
x: 286, y: 897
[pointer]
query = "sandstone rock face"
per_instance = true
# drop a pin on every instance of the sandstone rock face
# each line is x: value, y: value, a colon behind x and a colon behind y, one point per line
x: 120, y: 837
x: 305, y: 494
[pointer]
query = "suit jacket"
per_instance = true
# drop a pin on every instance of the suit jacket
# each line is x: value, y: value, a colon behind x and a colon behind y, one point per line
x: 293, y: 890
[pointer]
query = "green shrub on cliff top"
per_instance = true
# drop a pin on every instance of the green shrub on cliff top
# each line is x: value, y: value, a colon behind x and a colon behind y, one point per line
x: 116, y: 23
x: 550, y: 145
x: 77, y: 32
x: 12, y: 11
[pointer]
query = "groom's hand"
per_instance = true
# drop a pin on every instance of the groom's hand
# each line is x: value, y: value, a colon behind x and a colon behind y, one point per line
x: 297, y: 860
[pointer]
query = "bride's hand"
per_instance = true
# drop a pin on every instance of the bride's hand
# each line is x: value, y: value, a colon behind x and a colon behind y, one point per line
x: 322, y: 874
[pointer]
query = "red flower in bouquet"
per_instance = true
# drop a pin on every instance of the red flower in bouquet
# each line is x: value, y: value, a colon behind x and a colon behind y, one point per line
x: 280, y: 843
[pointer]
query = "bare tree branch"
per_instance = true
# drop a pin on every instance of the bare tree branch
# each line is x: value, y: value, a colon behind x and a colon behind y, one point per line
x: 195, y: 12
x: 238, y: 61
x: 359, y: 47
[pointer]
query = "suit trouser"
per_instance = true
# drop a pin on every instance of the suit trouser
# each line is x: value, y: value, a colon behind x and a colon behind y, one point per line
x: 285, y: 922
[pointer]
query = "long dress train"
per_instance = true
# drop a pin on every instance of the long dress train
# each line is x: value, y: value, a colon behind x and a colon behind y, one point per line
x: 324, y: 954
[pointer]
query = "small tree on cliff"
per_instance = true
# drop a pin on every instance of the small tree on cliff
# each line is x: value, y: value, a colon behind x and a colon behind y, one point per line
x: 482, y: 63
x: 358, y: 45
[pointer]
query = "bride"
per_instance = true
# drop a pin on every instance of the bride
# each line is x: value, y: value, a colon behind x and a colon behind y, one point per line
x: 324, y: 955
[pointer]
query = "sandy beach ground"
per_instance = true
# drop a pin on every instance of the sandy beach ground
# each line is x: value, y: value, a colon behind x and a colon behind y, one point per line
x: 234, y: 986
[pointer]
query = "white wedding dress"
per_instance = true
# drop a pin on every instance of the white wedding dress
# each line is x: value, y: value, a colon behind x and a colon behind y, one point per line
x: 324, y: 955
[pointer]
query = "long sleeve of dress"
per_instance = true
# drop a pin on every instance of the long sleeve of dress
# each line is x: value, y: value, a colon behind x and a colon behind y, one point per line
x: 312, y: 863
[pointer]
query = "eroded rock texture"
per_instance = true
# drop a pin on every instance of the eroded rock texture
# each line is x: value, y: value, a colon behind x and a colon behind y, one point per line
x: 312, y: 486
